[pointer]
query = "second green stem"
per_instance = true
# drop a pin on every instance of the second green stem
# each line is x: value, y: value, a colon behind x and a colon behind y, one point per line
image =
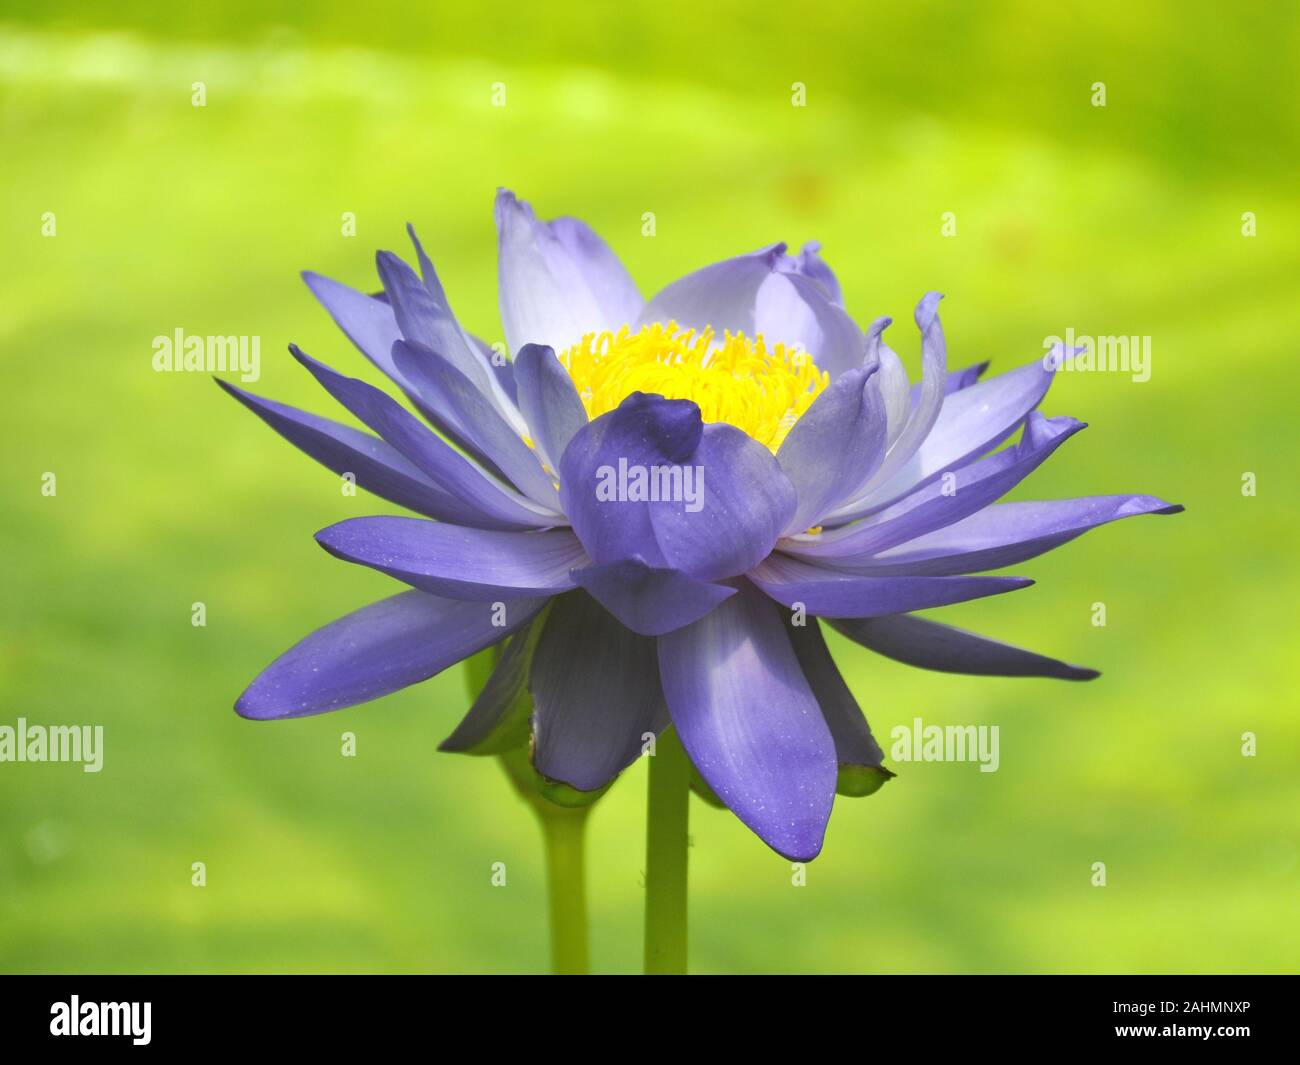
x: 667, y: 845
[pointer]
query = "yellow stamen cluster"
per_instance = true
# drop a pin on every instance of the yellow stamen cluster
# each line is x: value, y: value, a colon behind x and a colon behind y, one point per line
x: 734, y: 380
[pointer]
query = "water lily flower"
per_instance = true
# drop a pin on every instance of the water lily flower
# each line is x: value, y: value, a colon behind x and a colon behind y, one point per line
x: 658, y: 503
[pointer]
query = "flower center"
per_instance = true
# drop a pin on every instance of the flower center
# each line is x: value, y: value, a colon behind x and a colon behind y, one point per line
x: 734, y: 380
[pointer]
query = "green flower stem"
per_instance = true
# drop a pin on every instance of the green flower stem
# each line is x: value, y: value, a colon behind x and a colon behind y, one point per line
x: 564, y: 832
x: 667, y: 820
x: 564, y: 840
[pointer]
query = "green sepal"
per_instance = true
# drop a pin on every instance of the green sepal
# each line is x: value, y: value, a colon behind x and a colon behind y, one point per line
x: 857, y: 781
x: 541, y: 792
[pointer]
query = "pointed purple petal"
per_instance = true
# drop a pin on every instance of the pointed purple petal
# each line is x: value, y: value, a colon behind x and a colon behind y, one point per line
x: 1010, y: 533
x: 376, y: 650
x: 366, y: 321
x: 376, y: 465
x: 854, y: 744
x: 751, y: 724
x: 456, y: 562
x: 970, y: 489
x: 480, y: 420
x: 929, y: 645
x: 971, y: 422
x: 832, y: 594
x: 486, y: 502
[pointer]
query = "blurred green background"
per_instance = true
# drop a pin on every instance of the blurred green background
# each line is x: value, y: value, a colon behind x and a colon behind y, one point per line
x: 1123, y: 219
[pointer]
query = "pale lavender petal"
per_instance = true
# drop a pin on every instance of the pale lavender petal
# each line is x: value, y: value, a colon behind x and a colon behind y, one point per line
x: 456, y: 562
x: 558, y: 280
x: 596, y: 695
x: 723, y: 296
x: 376, y: 650
x: 934, y: 372
x: 929, y: 645
x: 601, y: 270
x: 649, y: 600
x: 810, y: 264
x: 795, y: 311
x: 891, y: 380
x: 833, y: 594
x: 750, y: 722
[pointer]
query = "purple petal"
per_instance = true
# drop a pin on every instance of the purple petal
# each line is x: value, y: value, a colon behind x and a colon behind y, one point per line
x: 971, y: 489
x: 795, y: 311
x: 425, y: 317
x: 601, y: 270
x: 648, y: 600
x: 367, y: 322
x: 934, y: 372
x: 479, y: 419
x: 485, y: 502
x: 834, y: 448
x: 1010, y: 533
x: 854, y: 744
x: 596, y: 694
x: 891, y: 379
x: 832, y: 594
x: 377, y: 466
x: 558, y: 280
x: 498, y: 720
x: 455, y: 562
x: 376, y: 650
x: 926, y: 644
x: 956, y: 380
x: 971, y: 422
x: 549, y: 401
x: 642, y: 432
x: 745, y: 505
x: 501, y: 366
x: 810, y: 264
x: 723, y: 296
x: 750, y: 722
